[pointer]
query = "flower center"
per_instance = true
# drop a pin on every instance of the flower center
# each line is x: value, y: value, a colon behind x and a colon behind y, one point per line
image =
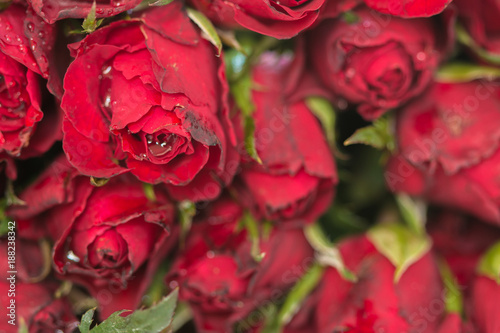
x: 161, y: 144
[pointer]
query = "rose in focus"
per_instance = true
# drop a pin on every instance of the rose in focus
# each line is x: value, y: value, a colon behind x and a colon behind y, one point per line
x: 171, y: 127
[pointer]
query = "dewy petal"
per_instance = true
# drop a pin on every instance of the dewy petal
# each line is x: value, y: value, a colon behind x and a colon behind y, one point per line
x: 132, y: 106
x: 82, y: 78
x: 179, y: 171
x: 172, y: 22
x: 179, y: 69
x: 90, y: 157
x: 13, y: 41
x: 53, y: 10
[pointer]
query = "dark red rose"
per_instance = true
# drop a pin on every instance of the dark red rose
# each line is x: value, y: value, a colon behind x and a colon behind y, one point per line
x: 448, y: 144
x: 34, y: 303
x: 461, y: 241
x: 109, y: 239
x: 171, y: 127
x: 409, y: 8
x: 378, y: 61
x: 480, y: 20
x: 279, y: 19
x: 28, y: 124
x: 377, y: 303
x: 297, y: 176
x: 53, y: 10
x: 220, y: 279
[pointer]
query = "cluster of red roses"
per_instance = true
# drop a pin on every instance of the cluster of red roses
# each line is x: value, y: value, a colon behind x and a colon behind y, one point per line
x: 209, y: 166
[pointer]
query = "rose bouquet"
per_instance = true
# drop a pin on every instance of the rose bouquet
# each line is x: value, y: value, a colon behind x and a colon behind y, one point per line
x: 265, y: 166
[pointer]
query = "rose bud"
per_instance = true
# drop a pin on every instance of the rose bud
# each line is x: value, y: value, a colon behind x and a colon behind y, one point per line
x: 376, y: 302
x: 479, y: 19
x: 378, y: 62
x: 34, y: 303
x: 279, y: 19
x: 408, y: 9
x: 172, y: 127
x: 220, y: 279
x: 448, y: 144
x: 53, y: 10
x: 29, y: 120
x: 297, y: 176
x: 109, y: 239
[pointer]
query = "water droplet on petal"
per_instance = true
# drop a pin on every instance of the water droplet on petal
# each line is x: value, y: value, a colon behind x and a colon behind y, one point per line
x: 350, y: 72
x: 31, y: 26
x: 421, y: 56
x: 107, y: 101
x: 210, y: 254
x: 106, y: 70
x: 72, y: 256
x: 8, y: 39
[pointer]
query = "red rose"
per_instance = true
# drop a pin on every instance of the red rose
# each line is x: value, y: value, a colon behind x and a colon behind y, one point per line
x: 461, y: 241
x: 480, y: 20
x: 25, y: 129
x: 53, y: 10
x: 448, y: 142
x: 409, y: 8
x: 279, y: 19
x: 219, y: 278
x: 297, y: 176
x: 109, y: 239
x: 484, y: 304
x: 378, y: 61
x: 171, y: 127
x: 34, y: 303
x: 376, y: 302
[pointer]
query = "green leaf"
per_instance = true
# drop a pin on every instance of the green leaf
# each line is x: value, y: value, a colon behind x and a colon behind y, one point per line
x: 187, y: 210
x: 453, y: 298
x: 464, y: 38
x: 350, y: 17
x: 251, y: 148
x: 299, y: 292
x: 400, y: 245
x: 379, y: 135
x: 242, y: 93
x: 414, y: 212
x: 489, y: 264
x: 464, y: 72
x: 23, y: 328
x: 84, y: 326
x: 98, y: 182
x: 327, y: 253
x: 206, y: 27
x: 152, y: 320
x: 325, y: 112
x: 10, y: 195
x: 149, y: 191
x: 251, y: 225
x: 90, y: 24
x: 161, y: 2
